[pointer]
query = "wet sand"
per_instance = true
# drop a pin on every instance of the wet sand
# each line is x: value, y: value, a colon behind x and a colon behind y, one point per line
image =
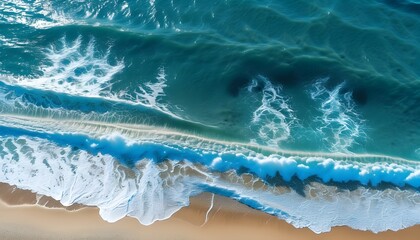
x: 21, y: 219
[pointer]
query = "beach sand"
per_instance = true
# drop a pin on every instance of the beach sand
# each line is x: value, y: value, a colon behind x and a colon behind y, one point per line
x: 228, y: 219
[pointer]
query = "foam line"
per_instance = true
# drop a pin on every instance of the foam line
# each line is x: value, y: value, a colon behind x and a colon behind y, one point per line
x: 77, y: 69
x: 139, y: 131
x: 152, y: 190
x: 129, y: 145
x: 14, y: 99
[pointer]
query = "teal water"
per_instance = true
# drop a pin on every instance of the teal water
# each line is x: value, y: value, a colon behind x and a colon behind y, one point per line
x: 321, y: 92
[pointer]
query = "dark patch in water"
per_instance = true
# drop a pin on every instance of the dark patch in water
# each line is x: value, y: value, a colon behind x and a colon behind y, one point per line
x: 258, y: 88
x: 360, y: 96
x: 285, y: 77
x: 299, y: 185
x: 275, y: 73
x: 296, y: 73
x: 243, y: 170
x: 295, y: 183
x: 238, y: 83
x: 404, y: 5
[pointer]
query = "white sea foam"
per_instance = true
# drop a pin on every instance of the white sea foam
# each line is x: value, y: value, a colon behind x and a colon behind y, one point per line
x: 74, y: 70
x: 274, y: 118
x: 80, y: 69
x: 150, y: 94
x: 153, y: 191
x: 222, y: 156
x: 324, y: 206
x: 340, y: 125
x: 50, y: 122
x: 73, y: 176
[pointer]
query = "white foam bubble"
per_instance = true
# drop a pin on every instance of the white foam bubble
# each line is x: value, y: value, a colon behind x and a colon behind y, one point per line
x: 274, y: 118
x: 80, y: 69
x: 75, y: 176
x: 340, y: 125
x: 153, y: 191
x: 74, y: 70
x: 324, y: 207
x: 150, y: 94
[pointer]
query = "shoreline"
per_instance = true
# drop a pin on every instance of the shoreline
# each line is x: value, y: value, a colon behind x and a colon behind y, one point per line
x: 24, y: 218
x: 126, y: 129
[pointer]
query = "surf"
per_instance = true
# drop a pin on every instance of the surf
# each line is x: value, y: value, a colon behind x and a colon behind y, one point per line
x: 136, y: 173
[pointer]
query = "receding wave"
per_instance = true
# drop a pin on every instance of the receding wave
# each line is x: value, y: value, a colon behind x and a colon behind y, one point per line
x: 161, y: 169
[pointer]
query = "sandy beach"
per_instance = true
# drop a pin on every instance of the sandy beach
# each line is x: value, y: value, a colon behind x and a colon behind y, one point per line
x: 21, y: 219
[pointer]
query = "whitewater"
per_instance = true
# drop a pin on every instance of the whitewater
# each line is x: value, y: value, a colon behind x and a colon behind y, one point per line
x: 150, y: 173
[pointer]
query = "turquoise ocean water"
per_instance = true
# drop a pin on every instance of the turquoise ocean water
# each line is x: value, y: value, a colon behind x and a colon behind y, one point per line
x: 286, y: 106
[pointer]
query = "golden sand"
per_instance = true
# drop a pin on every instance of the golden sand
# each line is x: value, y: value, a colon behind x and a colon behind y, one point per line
x: 228, y: 219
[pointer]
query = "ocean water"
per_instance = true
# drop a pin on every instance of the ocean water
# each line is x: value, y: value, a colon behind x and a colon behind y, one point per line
x: 306, y: 110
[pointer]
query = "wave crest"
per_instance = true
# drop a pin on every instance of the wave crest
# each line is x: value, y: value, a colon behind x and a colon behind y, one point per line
x: 153, y: 190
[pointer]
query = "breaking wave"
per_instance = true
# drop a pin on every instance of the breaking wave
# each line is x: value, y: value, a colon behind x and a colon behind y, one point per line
x: 150, y: 174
